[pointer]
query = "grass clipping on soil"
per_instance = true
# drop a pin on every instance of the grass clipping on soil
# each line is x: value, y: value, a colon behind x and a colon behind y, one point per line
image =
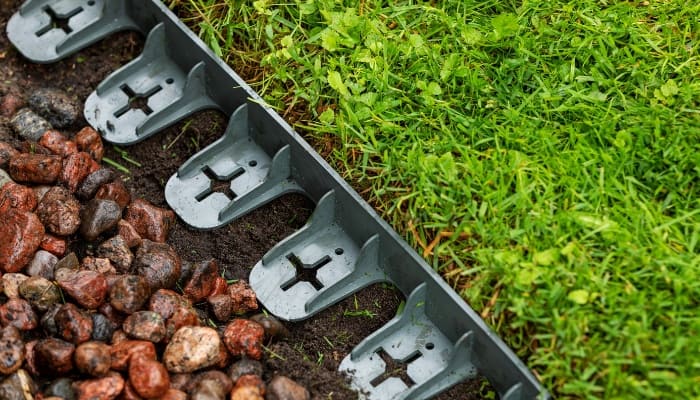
x: 543, y: 156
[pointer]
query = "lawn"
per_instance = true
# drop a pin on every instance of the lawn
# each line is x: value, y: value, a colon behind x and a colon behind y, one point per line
x: 544, y: 157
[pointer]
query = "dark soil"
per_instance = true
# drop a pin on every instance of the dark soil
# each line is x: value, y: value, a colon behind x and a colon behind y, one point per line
x: 314, y: 349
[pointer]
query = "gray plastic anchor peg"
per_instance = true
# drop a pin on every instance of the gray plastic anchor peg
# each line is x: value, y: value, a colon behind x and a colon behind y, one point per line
x: 255, y: 178
x: 47, y: 31
x: 154, y: 78
x: 434, y: 362
x: 316, y: 267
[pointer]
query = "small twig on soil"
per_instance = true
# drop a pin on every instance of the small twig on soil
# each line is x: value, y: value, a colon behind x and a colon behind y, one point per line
x: 273, y: 354
x: 116, y: 165
x: 492, y: 301
x: 416, y: 236
x: 428, y: 251
x: 125, y: 156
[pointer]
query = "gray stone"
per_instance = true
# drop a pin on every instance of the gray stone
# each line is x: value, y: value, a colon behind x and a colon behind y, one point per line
x: 29, y: 125
x: 42, y: 265
x: 18, y: 386
x: 99, y: 216
x: 59, y: 109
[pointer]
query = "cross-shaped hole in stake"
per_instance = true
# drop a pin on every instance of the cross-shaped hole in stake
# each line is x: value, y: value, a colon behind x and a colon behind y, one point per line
x: 217, y: 185
x: 305, y: 272
x: 136, y: 101
x: 395, y: 368
x: 58, y: 21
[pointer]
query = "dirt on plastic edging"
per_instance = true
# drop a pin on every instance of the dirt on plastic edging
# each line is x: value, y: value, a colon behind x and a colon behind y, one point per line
x: 314, y: 348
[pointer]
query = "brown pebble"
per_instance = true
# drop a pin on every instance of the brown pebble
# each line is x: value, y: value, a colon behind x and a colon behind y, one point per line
x: 93, y: 358
x: 283, y: 388
x: 244, y: 338
x: 129, y: 293
x: 222, y: 306
x: 117, y: 250
x: 11, y: 283
x: 35, y: 168
x: 158, y: 263
x: 10, y: 104
x: 151, y: 222
x: 173, y: 394
x: 145, y: 325
x: 53, y: 357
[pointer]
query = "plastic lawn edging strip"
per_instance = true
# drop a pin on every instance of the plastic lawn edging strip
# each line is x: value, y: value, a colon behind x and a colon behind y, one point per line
x: 345, y: 245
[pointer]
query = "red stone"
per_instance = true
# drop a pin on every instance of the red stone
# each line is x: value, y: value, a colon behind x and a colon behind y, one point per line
x: 220, y: 286
x: 59, y: 211
x: 149, y: 377
x: 151, y: 222
x: 76, y: 167
x: 131, y: 237
x: 115, y: 191
x: 107, y: 388
x: 121, y: 352
x: 6, y: 153
x: 243, y: 296
x: 20, y: 237
x: 72, y: 324
x: 88, y: 288
x: 53, y: 245
x: 244, y: 338
x: 18, y: 313
x: 35, y: 168
x: 57, y: 143
x: 20, y: 197
x: 202, y: 282
x: 10, y: 104
x: 89, y: 140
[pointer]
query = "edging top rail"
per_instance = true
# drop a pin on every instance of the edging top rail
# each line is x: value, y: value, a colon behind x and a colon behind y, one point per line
x: 345, y: 242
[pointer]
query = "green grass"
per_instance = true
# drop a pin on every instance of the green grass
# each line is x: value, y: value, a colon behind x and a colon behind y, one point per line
x: 548, y: 151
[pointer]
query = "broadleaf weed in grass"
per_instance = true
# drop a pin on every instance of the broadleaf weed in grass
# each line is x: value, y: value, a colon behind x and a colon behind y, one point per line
x: 561, y: 138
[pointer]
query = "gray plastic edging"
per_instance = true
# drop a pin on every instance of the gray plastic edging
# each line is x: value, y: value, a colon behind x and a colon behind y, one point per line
x: 345, y: 244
